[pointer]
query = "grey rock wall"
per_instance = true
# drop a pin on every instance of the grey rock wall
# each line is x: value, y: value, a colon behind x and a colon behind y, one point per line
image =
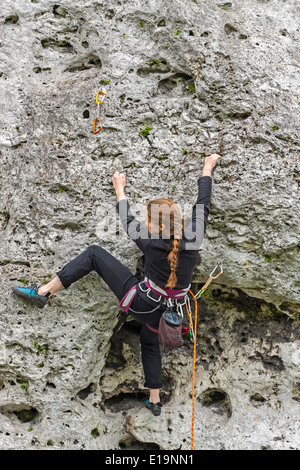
x: 205, y: 76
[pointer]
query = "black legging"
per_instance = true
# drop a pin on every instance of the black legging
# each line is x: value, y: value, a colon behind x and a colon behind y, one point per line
x: 120, y: 279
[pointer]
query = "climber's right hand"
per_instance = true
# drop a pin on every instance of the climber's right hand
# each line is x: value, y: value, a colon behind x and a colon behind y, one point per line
x: 209, y: 164
x: 211, y: 161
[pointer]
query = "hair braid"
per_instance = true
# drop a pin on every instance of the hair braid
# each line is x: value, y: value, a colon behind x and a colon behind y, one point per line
x: 174, y: 253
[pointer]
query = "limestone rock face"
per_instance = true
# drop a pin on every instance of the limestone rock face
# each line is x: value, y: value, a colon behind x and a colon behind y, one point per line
x: 195, y: 77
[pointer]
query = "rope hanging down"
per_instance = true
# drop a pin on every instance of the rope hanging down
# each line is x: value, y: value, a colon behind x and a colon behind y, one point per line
x: 98, y: 112
x: 193, y: 331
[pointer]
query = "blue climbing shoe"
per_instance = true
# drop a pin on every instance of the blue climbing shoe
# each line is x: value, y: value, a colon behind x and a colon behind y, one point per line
x: 155, y: 408
x: 31, y: 293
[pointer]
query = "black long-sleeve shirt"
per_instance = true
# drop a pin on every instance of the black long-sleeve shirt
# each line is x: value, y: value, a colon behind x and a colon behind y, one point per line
x: 156, y: 250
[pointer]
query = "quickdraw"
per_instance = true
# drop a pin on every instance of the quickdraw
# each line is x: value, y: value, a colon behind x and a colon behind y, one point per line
x: 211, y: 277
x: 97, y: 119
x: 193, y: 337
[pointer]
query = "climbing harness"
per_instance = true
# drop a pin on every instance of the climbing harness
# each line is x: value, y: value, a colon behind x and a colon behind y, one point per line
x: 150, y: 287
x: 193, y: 330
x: 171, y: 300
x: 97, y: 119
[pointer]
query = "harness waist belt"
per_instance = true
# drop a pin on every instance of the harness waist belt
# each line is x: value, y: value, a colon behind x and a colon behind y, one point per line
x: 156, y: 289
x: 167, y: 293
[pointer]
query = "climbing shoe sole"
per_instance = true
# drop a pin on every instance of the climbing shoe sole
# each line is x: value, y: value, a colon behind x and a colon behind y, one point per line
x: 31, y: 294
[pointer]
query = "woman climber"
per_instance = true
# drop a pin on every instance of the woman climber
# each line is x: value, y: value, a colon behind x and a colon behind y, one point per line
x: 170, y: 255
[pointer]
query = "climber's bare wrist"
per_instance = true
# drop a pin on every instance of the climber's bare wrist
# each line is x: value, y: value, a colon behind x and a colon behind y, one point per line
x: 120, y: 195
x: 206, y: 171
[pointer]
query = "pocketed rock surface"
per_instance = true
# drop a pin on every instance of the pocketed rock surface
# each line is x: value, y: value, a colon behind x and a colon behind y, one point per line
x: 195, y: 77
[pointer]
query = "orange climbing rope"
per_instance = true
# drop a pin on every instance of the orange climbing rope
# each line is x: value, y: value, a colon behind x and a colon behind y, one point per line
x: 194, y: 370
x: 194, y: 336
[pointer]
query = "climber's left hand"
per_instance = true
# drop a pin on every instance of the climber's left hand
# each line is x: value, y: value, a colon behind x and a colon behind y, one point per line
x: 119, y: 182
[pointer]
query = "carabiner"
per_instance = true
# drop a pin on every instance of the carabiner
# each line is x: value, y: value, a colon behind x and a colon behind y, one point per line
x: 97, y: 96
x: 221, y: 271
x: 94, y: 126
x: 211, y: 277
